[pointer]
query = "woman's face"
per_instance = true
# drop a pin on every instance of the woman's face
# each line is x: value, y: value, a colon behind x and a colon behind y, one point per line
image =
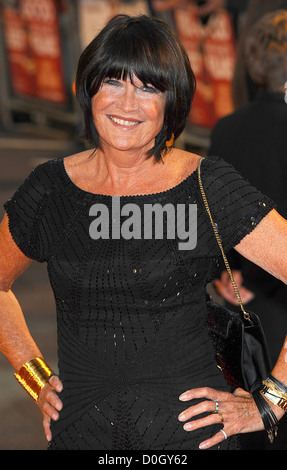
x: 128, y: 116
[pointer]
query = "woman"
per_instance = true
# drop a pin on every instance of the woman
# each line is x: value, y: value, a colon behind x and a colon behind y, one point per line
x: 133, y: 345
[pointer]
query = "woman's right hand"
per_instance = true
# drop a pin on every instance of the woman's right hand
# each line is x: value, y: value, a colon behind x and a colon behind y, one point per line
x: 50, y: 404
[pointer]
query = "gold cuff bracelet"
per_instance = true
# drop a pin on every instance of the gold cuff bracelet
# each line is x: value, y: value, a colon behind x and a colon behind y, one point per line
x: 33, y: 376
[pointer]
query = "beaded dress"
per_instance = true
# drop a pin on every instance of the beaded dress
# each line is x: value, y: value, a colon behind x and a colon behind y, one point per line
x: 131, y: 313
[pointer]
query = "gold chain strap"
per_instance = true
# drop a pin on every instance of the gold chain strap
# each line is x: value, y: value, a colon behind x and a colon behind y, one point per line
x: 246, y: 314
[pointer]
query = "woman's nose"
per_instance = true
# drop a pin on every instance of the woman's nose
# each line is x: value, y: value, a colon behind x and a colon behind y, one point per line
x: 128, y: 101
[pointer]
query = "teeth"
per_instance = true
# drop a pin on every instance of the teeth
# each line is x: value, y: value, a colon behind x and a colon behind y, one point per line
x: 122, y: 122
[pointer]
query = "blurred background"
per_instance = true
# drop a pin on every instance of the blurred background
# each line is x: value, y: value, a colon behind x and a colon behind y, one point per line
x: 40, y: 43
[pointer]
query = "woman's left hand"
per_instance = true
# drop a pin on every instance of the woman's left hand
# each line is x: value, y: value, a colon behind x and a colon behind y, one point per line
x: 236, y: 411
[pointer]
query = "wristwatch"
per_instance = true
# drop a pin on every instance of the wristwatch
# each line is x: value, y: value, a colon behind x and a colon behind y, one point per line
x: 272, y: 394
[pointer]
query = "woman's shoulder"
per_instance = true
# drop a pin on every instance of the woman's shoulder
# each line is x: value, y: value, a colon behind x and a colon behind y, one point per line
x: 182, y: 162
x: 77, y: 159
x: 46, y: 174
x: 185, y: 163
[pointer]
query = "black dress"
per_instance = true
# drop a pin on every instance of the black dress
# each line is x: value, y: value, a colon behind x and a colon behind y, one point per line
x: 131, y: 313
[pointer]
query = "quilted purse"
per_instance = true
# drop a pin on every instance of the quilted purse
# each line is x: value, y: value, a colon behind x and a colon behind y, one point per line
x: 238, y: 337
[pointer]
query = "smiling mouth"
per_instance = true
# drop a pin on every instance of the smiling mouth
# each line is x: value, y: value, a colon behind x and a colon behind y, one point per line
x: 123, y: 122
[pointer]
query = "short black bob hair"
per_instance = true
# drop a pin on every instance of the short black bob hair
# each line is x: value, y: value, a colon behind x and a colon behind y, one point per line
x: 147, y: 48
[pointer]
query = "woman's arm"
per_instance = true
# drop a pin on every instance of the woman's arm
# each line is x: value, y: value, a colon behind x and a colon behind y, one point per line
x: 16, y: 342
x: 266, y: 246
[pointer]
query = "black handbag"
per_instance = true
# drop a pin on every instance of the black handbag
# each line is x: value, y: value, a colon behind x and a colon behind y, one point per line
x: 238, y: 337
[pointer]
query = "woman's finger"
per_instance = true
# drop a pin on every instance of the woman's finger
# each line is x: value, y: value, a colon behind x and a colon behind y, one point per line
x: 202, y: 422
x: 204, y: 392
x: 46, y: 426
x: 49, y: 397
x: 214, y: 440
x: 207, y: 406
x: 56, y: 383
x: 50, y: 411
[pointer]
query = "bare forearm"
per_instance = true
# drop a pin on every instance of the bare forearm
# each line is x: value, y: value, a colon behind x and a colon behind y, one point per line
x: 16, y: 342
x: 280, y: 369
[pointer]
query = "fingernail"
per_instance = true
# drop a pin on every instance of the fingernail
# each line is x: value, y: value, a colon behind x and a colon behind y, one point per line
x: 187, y: 426
x: 181, y: 417
x: 183, y: 396
x: 202, y: 446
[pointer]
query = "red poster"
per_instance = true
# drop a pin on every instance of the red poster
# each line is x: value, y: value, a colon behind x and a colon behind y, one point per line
x: 41, y: 53
x: 211, y: 50
x: 41, y: 18
x: 20, y: 61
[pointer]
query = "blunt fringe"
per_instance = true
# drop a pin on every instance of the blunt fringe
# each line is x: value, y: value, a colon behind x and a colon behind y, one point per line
x: 147, y: 48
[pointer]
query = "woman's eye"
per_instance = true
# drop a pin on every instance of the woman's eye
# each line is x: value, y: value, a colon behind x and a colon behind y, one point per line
x: 148, y: 89
x: 111, y: 81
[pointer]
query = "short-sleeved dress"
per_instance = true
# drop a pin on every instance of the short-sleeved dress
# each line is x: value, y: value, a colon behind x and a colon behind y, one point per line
x: 131, y: 313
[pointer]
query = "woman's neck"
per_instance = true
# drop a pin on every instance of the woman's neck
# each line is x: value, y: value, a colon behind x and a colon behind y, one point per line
x: 121, y: 170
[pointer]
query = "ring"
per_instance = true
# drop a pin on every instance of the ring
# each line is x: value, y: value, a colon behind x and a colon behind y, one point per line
x: 221, y: 418
x: 224, y: 433
x: 216, y: 406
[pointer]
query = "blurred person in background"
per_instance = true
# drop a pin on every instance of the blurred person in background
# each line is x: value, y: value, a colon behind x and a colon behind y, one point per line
x: 205, y: 8
x: 254, y: 140
x: 243, y: 88
x: 137, y: 368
